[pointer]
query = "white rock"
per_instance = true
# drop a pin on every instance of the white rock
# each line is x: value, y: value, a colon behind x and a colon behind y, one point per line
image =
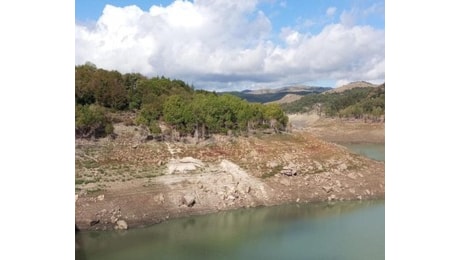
x: 121, y: 224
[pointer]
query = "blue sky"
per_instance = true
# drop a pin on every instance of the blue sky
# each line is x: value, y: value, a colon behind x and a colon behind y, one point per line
x: 238, y: 44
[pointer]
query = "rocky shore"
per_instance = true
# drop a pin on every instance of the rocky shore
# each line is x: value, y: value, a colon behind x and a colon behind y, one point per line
x: 224, y: 174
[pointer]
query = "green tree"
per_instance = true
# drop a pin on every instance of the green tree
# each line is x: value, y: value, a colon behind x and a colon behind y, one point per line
x: 91, y: 120
x: 177, y: 113
x: 109, y: 89
x: 84, y: 89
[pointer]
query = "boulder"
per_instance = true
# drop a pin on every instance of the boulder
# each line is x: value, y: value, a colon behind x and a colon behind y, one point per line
x: 289, y: 170
x: 184, y: 164
x: 121, y: 225
x: 188, y: 200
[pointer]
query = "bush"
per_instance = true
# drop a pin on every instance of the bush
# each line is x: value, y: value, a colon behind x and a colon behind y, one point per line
x: 91, y: 121
x: 154, y: 128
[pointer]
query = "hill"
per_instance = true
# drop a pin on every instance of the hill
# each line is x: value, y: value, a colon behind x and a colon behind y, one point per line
x: 351, y: 85
x: 270, y: 95
x: 167, y: 108
x: 287, y: 99
x: 352, y: 101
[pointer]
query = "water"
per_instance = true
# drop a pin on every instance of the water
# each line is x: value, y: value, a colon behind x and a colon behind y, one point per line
x: 373, y: 151
x: 345, y: 230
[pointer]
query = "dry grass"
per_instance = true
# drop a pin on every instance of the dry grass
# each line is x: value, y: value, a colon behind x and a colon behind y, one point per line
x: 125, y: 158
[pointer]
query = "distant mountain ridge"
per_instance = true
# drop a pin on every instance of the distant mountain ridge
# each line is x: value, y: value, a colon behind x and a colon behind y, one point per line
x: 298, y: 88
x: 351, y: 85
x: 270, y: 95
x: 287, y: 99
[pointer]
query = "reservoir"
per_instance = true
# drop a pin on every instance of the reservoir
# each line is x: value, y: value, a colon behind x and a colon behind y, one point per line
x: 373, y: 151
x: 344, y: 230
x: 341, y: 230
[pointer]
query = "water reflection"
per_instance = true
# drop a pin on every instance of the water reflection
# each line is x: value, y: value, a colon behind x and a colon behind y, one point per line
x: 345, y: 230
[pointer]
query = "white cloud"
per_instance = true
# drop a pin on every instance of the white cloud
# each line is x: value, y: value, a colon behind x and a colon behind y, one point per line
x: 212, y: 43
x: 331, y: 11
x: 348, y: 18
x: 291, y: 37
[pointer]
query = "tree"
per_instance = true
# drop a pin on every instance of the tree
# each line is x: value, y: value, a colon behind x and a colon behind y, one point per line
x: 274, y: 115
x: 91, y: 120
x: 109, y: 89
x: 177, y: 113
x: 84, y: 89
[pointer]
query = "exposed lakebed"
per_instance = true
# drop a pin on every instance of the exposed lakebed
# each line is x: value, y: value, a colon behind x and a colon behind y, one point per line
x: 340, y: 230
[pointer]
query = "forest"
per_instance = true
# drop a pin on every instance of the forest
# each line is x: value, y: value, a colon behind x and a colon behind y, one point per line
x: 171, y: 102
x: 358, y: 103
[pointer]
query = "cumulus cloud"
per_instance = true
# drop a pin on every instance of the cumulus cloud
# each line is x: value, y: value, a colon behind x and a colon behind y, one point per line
x: 226, y: 44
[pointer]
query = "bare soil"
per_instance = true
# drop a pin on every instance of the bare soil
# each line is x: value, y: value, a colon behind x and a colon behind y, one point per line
x: 128, y: 179
x: 338, y: 130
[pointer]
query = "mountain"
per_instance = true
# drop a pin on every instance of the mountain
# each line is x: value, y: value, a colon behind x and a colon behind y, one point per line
x: 352, y: 85
x: 355, y: 100
x: 270, y: 95
x: 287, y: 99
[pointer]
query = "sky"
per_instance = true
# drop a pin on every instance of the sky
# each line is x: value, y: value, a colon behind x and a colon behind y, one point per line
x: 235, y: 45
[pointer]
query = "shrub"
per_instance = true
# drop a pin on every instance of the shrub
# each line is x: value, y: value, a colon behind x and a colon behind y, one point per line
x: 91, y: 121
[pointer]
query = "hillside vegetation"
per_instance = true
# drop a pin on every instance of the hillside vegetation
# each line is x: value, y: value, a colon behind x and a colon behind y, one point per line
x: 363, y: 102
x: 168, y: 108
x: 271, y: 95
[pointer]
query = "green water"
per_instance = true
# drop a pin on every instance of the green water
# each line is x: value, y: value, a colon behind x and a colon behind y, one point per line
x: 373, y: 151
x: 345, y: 230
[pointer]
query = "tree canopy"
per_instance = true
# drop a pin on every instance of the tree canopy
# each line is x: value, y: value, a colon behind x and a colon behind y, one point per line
x: 352, y: 103
x: 172, y: 101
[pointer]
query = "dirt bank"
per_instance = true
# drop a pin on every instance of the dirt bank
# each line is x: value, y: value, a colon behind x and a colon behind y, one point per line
x: 142, y: 183
x: 339, y: 130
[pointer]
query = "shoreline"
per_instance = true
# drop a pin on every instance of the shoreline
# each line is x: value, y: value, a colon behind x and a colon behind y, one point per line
x: 240, y: 173
x: 139, y: 224
x: 154, y: 204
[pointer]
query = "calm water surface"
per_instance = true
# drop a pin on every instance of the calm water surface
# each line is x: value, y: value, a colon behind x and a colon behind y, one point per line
x: 373, y: 151
x: 343, y: 230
